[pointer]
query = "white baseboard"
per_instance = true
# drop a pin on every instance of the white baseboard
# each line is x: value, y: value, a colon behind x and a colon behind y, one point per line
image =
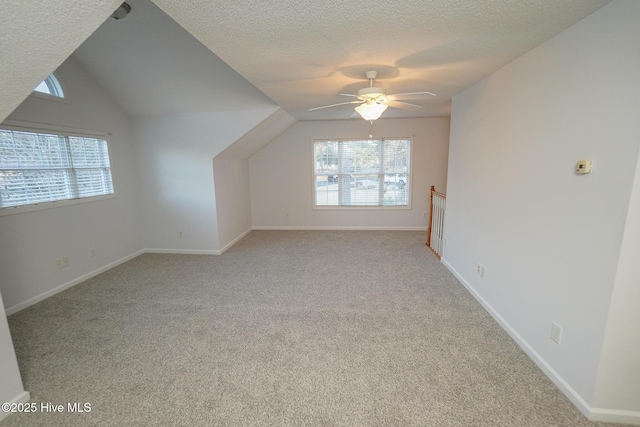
x: 593, y: 414
x: 337, y: 227
x: 234, y: 241
x: 198, y: 251
x: 614, y: 416
x: 31, y: 301
x: 181, y: 251
x: 23, y: 397
x: 57, y: 289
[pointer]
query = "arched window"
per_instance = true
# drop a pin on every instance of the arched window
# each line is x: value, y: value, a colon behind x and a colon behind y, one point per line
x: 50, y: 86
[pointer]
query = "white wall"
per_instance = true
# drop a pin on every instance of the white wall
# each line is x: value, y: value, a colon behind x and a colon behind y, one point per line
x: 11, y: 389
x: 550, y: 239
x: 618, y: 385
x: 281, y: 175
x: 176, y: 175
x: 233, y: 199
x: 232, y: 181
x: 30, y: 242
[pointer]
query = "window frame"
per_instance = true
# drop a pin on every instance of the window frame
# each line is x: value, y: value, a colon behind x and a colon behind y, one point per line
x: 19, y: 126
x: 362, y: 207
x: 52, y: 80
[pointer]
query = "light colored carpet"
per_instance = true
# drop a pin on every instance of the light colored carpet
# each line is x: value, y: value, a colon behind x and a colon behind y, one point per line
x: 319, y: 328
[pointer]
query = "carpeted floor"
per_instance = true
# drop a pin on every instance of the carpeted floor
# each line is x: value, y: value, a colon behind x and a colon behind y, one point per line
x: 314, y: 328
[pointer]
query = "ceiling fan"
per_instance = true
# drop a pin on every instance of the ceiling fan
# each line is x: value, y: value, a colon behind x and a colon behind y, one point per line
x: 373, y: 100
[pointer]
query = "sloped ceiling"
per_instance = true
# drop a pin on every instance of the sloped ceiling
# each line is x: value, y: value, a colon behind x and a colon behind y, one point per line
x: 152, y: 66
x: 37, y: 36
x: 259, y: 136
x: 299, y: 53
x: 303, y: 54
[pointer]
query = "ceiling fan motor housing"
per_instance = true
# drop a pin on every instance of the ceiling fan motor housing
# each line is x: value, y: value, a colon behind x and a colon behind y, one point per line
x: 369, y: 93
x: 374, y: 96
x: 371, y: 74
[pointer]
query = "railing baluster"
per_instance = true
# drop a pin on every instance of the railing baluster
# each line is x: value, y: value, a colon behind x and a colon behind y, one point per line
x: 435, y: 232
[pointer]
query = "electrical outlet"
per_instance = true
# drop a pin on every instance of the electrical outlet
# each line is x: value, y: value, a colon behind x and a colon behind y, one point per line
x: 556, y: 332
x: 480, y: 269
x: 65, y: 262
x: 180, y: 234
x: 286, y: 214
x: 59, y: 264
x: 93, y: 252
x: 425, y: 214
x: 444, y: 242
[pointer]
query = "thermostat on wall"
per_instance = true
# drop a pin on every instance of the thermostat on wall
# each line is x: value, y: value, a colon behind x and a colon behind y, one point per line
x: 583, y: 166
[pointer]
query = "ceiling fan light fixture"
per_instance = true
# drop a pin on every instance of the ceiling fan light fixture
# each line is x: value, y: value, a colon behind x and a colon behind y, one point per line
x: 371, y: 110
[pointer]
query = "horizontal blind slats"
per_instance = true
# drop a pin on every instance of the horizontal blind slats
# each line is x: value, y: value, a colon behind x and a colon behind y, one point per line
x: 362, y: 172
x: 42, y: 167
x: 93, y: 182
x: 28, y: 187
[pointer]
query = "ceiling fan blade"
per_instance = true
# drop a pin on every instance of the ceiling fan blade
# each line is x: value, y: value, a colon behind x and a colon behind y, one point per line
x: 402, y: 105
x: 397, y: 96
x: 335, y: 105
x: 349, y: 94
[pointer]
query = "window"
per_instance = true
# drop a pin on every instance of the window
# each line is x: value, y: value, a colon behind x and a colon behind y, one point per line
x: 47, y: 167
x: 50, y: 86
x: 362, y: 172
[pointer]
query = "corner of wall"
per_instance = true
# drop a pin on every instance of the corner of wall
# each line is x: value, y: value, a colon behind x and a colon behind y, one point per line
x: 11, y: 388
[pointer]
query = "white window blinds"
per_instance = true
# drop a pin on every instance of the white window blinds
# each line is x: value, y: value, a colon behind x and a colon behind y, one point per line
x: 362, y: 172
x: 46, y: 167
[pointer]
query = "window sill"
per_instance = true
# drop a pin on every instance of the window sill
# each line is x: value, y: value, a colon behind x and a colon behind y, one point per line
x: 51, y: 205
x: 48, y: 97
x: 364, y: 208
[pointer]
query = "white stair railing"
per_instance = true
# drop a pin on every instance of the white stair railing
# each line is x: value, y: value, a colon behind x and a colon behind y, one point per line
x: 437, y: 205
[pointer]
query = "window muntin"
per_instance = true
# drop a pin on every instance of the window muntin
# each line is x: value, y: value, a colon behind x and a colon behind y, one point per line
x: 362, y: 172
x: 41, y: 167
x: 50, y: 86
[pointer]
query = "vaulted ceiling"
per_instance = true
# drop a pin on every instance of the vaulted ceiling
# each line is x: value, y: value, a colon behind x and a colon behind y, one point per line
x: 303, y: 54
x: 300, y: 54
x: 151, y: 65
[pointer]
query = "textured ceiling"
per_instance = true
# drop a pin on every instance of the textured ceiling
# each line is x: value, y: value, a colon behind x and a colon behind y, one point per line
x: 152, y: 66
x: 303, y: 54
x: 37, y: 36
x: 300, y: 53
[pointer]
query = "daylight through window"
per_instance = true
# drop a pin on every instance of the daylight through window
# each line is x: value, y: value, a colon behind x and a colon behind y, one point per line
x: 50, y: 86
x: 47, y: 167
x: 362, y: 172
